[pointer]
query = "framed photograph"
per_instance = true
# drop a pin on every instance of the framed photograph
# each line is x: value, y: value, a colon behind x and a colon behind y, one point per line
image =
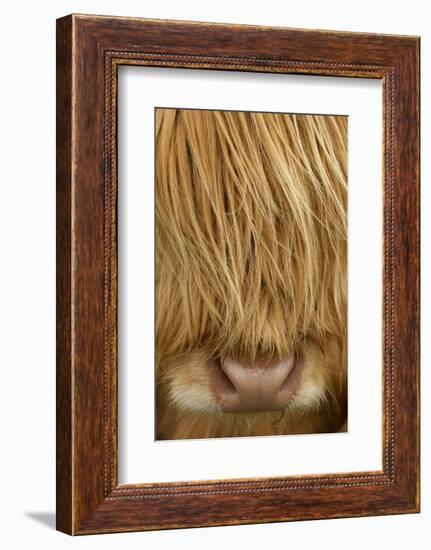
x: 237, y: 274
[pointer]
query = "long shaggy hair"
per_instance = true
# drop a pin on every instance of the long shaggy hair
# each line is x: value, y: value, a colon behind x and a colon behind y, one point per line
x: 251, y: 263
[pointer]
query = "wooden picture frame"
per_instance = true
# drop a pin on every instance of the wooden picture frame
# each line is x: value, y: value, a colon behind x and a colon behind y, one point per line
x: 89, y: 52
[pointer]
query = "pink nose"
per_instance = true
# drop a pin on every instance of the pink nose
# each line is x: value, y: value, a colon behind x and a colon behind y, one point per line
x: 267, y: 386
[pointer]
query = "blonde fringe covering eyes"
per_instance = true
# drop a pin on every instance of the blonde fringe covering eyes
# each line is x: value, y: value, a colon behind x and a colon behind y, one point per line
x: 251, y: 232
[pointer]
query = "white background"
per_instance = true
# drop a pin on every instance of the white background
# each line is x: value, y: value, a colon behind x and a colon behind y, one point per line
x: 141, y: 459
x: 27, y: 126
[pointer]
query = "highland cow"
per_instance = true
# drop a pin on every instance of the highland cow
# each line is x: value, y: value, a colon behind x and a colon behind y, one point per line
x: 251, y: 273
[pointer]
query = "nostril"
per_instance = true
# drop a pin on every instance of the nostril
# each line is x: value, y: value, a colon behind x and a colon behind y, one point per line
x: 220, y: 381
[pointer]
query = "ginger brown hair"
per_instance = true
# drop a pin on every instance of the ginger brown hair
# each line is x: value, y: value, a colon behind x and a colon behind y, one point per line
x: 251, y: 262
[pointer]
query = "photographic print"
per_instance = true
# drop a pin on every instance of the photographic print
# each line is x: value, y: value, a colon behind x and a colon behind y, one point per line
x: 236, y: 206
x: 251, y: 273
